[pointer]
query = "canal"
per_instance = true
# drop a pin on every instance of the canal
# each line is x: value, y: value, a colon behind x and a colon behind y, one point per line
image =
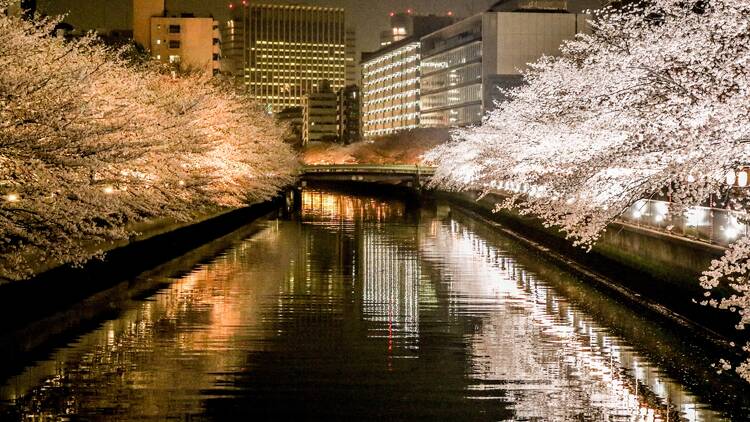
x: 364, y: 308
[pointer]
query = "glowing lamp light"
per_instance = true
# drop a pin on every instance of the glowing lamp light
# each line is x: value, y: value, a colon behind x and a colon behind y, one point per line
x: 392, y: 14
x: 181, y: 183
x: 231, y: 5
x: 660, y: 211
x: 108, y: 190
x: 450, y: 13
x: 731, y: 178
x: 12, y: 197
x: 733, y: 228
x: 742, y: 179
x: 408, y: 11
x: 245, y: 2
x: 731, y: 233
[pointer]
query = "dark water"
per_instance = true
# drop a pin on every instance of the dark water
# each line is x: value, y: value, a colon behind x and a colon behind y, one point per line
x: 361, y: 308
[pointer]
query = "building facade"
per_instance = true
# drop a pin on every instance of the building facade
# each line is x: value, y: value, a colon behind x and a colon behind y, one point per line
x: 464, y: 66
x: 320, y: 115
x: 390, y: 89
x: 350, y: 114
x: 192, y: 43
x: 391, y: 76
x: 352, y: 58
x: 281, y: 53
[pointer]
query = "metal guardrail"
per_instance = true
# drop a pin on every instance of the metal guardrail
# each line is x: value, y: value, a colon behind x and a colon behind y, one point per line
x: 716, y: 226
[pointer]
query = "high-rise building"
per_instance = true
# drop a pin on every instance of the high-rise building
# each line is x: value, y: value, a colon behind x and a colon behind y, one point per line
x: 283, y: 52
x: 390, y: 89
x: 350, y: 114
x: 320, y: 115
x: 352, y: 58
x: 185, y: 40
x: 391, y: 76
x: 463, y: 65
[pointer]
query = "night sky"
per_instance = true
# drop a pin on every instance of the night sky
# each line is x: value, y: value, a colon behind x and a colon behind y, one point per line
x: 368, y: 16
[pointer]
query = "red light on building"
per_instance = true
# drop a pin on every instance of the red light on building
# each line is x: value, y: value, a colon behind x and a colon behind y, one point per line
x: 245, y: 2
x: 231, y: 5
x: 408, y: 11
x: 392, y: 14
x: 450, y: 13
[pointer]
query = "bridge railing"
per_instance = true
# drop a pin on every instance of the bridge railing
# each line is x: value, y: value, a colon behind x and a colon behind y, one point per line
x: 369, y: 169
x: 711, y: 225
x: 717, y: 226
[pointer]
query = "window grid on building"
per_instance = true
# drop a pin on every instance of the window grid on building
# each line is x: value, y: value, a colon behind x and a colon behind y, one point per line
x: 287, y: 51
x: 390, y: 84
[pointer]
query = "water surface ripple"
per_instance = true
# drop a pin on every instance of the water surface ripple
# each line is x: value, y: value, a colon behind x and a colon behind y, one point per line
x: 361, y: 308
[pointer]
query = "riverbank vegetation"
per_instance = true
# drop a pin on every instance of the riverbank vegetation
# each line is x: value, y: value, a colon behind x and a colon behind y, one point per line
x: 400, y: 148
x: 653, y: 102
x: 92, y: 143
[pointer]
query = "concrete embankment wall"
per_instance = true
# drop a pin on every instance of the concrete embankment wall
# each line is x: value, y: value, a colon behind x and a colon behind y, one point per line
x: 655, y: 268
x: 35, y: 311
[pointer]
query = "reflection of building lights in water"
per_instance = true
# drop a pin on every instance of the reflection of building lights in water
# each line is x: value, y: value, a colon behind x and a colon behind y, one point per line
x: 329, y: 206
x: 612, y: 372
x: 390, y: 278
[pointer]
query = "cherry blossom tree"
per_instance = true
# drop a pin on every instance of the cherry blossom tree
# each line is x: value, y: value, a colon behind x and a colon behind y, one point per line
x: 652, y: 102
x: 91, y: 144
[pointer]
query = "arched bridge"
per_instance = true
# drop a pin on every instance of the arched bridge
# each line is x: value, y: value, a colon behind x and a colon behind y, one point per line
x: 408, y: 175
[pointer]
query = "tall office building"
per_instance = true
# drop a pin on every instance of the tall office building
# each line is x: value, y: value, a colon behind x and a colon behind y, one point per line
x: 352, y: 58
x: 390, y: 89
x: 350, y: 114
x: 391, y: 76
x: 463, y: 65
x: 283, y: 52
x: 320, y: 115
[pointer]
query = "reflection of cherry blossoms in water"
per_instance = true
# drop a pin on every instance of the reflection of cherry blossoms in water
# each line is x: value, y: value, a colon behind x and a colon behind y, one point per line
x: 360, y: 308
x: 537, y: 350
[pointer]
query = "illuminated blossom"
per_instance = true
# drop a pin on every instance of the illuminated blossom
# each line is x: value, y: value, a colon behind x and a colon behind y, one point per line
x: 653, y: 102
x: 91, y: 144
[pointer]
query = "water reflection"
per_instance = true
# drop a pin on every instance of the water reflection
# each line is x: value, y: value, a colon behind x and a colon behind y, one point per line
x: 365, y: 308
x: 550, y: 359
